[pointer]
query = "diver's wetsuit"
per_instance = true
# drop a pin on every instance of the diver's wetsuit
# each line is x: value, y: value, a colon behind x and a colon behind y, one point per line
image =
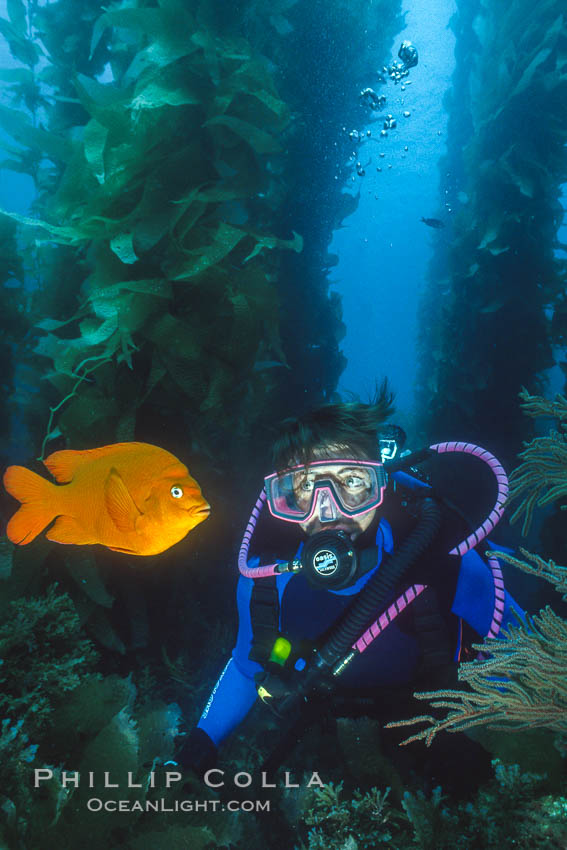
x: 464, y: 591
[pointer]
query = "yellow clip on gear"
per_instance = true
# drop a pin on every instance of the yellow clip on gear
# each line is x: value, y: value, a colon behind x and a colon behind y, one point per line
x: 264, y: 694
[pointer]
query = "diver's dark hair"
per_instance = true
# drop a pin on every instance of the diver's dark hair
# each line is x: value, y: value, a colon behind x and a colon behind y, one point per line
x: 353, y: 425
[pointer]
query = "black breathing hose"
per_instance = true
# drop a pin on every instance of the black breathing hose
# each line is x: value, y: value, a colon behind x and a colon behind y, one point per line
x: 366, y: 606
x: 376, y: 592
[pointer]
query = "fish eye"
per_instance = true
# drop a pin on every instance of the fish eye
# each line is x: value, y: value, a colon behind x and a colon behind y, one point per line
x: 176, y: 491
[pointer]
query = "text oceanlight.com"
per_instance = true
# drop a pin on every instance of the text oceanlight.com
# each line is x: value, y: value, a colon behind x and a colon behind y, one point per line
x: 95, y: 804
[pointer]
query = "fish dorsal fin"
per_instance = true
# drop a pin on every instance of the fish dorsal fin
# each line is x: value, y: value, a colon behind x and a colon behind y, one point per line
x: 119, y: 503
x: 64, y: 464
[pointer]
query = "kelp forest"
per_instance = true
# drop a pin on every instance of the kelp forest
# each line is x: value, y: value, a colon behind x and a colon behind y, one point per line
x: 170, y: 284
x: 494, y: 310
x: 500, y: 274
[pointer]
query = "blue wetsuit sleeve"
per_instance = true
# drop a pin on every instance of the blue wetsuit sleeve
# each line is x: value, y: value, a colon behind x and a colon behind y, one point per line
x: 235, y: 692
x: 474, y: 598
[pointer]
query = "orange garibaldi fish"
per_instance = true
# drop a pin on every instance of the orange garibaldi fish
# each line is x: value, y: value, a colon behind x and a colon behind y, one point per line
x: 130, y: 497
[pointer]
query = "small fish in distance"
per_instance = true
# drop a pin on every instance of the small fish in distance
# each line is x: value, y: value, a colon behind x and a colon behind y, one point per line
x: 433, y: 222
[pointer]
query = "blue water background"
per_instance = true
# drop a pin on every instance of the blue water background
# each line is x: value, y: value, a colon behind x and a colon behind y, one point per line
x: 383, y: 247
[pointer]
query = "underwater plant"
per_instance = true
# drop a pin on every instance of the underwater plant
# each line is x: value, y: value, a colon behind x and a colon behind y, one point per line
x: 43, y: 657
x: 12, y: 321
x: 150, y: 190
x: 62, y: 719
x: 362, y: 821
x: 519, y: 682
x: 541, y: 478
x: 512, y: 810
x: 521, y: 685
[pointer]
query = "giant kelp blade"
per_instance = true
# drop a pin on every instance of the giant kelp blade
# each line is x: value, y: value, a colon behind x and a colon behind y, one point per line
x: 225, y: 127
x: 20, y: 128
x: 224, y: 239
x: 146, y: 21
x: 18, y: 16
x: 95, y: 136
x: 21, y: 47
x: 168, y: 30
x: 271, y: 242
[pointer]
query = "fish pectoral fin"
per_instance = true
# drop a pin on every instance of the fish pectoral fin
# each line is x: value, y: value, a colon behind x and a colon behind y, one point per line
x: 119, y: 503
x: 66, y: 529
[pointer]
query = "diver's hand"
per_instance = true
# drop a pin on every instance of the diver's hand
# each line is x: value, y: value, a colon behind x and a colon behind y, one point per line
x: 279, y: 692
x: 285, y: 691
x: 196, y: 752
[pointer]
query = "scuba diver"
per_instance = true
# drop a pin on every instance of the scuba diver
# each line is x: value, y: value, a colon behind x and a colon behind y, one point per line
x: 363, y: 586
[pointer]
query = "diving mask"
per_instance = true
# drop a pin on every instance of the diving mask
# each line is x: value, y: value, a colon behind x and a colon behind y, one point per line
x: 329, y: 489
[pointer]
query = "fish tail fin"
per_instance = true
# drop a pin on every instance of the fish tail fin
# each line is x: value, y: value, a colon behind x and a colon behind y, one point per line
x: 36, y: 511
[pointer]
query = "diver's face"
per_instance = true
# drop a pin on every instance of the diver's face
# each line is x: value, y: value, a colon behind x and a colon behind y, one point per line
x: 353, y: 485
